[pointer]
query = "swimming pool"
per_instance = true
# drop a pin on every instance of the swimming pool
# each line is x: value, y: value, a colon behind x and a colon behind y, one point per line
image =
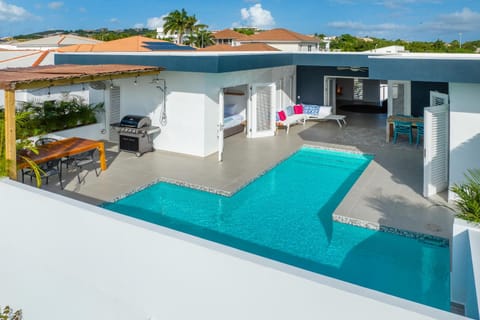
x: 286, y: 215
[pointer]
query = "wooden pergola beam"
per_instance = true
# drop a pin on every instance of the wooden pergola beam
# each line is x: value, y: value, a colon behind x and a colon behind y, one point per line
x: 79, y: 80
x: 10, y: 134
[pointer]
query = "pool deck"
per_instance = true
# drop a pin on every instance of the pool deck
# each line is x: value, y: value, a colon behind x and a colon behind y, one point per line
x: 388, y: 194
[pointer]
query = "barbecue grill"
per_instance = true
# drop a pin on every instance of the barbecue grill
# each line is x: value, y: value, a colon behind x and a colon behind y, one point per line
x: 135, y: 134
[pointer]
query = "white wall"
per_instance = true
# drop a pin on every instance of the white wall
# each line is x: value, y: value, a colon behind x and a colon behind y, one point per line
x: 93, y: 131
x: 185, y: 107
x: 62, y: 259
x: 465, y: 275
x: 464, y: 130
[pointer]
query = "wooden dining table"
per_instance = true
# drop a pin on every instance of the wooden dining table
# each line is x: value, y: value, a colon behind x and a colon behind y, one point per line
x: 389, y: 129
x: 63, y: 148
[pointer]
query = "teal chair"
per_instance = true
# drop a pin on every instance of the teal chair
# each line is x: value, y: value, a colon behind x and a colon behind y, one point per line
x: 419, y: 132
x: 402, y: 127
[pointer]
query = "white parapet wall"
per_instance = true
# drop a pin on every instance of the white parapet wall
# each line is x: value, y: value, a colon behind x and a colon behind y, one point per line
x: 465, y: 276
x: 63, y: 259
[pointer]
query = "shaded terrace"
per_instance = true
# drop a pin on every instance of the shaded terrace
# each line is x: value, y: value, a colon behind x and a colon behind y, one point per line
x: 13, y: 79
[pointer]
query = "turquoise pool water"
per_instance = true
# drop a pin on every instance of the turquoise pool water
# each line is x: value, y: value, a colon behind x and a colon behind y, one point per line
x: 286, y: 215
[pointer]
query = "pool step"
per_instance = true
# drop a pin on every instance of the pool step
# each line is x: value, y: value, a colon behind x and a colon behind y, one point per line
x: 434, y: 241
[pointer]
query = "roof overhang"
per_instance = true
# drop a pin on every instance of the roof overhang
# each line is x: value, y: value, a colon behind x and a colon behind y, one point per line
x: 68, y: 74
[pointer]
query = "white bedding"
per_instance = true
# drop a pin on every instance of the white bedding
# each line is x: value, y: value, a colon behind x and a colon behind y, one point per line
x: 233, y: 121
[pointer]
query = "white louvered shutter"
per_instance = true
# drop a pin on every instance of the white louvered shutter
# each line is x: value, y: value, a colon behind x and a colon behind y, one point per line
x: 436, y: 145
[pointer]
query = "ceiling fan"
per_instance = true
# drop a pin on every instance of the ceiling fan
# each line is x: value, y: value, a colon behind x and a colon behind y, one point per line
x: 354, y: 69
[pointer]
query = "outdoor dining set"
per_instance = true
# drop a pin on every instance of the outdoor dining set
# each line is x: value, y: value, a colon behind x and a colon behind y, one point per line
x: 51, y: 154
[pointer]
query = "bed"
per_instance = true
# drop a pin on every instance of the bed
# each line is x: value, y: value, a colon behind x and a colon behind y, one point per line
x: 234, y: 120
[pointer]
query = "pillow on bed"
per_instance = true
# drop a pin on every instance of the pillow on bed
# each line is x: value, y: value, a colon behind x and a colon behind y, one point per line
x: 298, y: 109
x: 229, y: 110
x: 281, y: 115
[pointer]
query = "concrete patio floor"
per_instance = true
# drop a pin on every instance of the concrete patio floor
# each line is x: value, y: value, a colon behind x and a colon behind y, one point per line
x: 389, y: 193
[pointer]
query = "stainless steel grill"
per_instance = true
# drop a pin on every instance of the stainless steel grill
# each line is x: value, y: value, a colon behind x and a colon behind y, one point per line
x: 135, y: 134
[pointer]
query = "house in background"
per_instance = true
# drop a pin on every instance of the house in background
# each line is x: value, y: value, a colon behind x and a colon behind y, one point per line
x: 281, y: 39
x: 241, y: 47
x: 40, y: 52
x: 229, y: 37
x: 52, y: 42
x: 284, y: 40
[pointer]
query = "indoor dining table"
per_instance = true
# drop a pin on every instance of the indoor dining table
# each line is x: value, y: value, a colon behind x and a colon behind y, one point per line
x: 413, y: 120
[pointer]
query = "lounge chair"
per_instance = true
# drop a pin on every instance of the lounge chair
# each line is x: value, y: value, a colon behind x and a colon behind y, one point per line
x: 291, y: 115
x: 316, y: 112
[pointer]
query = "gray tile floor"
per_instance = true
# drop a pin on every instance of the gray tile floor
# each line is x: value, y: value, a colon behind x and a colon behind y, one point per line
x: 389, y: 193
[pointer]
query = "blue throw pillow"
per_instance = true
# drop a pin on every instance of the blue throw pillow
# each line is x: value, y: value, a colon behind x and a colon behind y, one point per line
x: 289, y: 111
x: 311, y: 109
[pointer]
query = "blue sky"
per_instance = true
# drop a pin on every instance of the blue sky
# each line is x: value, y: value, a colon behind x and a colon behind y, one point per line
x: 423, y: 20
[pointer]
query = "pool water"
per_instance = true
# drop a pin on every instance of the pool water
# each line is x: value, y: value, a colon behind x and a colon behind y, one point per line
x: 286, y: 215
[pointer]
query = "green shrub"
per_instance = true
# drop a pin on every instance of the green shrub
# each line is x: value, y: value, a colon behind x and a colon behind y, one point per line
x: 7, y: 313
x: 468, y: 193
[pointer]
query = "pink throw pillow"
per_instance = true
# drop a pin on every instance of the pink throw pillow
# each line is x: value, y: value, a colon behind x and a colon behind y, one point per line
x: 298, y: 109
x: 281, y: 115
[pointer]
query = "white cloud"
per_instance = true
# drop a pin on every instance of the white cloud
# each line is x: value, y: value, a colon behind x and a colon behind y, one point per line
x: 113, y: 20
x: 256, y: 16
x: 138, y: 26
x: 156, y: 22
x: 362, y: 29
x: 396, y: 4
x: 10, y: 12
x: 55, y: 5
x: 463, y: 21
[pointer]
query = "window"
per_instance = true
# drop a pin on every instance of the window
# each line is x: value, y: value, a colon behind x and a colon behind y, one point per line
x: 357, y: 89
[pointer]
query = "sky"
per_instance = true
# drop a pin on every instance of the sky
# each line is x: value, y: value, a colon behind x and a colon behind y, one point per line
x: 411, y: 20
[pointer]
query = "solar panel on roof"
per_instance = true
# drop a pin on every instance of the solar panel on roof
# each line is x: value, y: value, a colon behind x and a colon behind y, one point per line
x: 159, y: 46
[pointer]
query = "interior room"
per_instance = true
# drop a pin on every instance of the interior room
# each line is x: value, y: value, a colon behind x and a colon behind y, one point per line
x: 235, y: 110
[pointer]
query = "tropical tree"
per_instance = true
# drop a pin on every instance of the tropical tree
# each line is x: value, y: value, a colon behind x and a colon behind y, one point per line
x: 21, y: 123
x: 468, y: 202
x: 201, y: 39
x: 181, y: 23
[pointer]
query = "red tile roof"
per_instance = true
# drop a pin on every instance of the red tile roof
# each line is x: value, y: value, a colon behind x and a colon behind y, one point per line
x: 130, y: 44
x: 243, y: 47
x: 229, y: 34
x: 281, y: 35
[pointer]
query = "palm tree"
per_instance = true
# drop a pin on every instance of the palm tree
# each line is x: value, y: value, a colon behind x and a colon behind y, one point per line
x: 22, y: 120
x: 177, y: 21
x: 181, y: 23
x: 201, y: 39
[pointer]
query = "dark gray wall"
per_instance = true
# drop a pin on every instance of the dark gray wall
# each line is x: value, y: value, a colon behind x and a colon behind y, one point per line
x: 310, y: 79
x: 421, y: 94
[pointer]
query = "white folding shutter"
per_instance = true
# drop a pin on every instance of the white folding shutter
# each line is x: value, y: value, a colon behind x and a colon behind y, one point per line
x: 220, y: 126
x: 263, y: 110
x: 114, y: 111
x: 436, y: 147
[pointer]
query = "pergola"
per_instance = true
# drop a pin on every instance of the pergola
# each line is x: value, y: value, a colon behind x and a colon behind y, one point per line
x: 13, y: 79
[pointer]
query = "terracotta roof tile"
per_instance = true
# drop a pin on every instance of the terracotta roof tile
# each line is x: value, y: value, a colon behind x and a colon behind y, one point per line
x: 243, y: 47
x: 281, y: 35
x: 229, y: 34
x: 130, y: 44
